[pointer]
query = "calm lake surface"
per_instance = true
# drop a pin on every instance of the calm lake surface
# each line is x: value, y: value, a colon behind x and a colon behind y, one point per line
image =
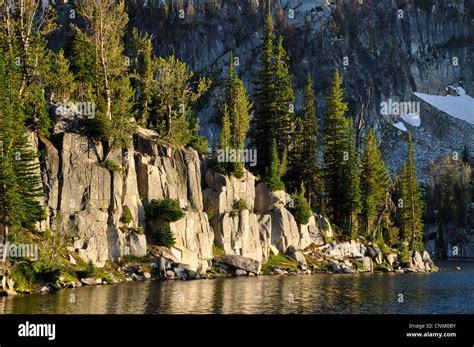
x: 447, y: 292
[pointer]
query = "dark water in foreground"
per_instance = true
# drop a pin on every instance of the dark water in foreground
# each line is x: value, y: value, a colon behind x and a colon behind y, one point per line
x: 445, y: 292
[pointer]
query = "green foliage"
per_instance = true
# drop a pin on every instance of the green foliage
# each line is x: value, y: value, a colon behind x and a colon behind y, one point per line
x: 20, y: 185
x: 240, y: 205
x: 341, y: 176
x: 167, y: 210
x: 273, y: 176
x: 302, y: 210
x: 82, y: 64
x: 274, y: 116
x: 126, y: 215
x: 61, y: 82
x: 303, y: 165
x: 211, y: 214
x: 112, y: 166
x: 411, y: 213
x: 165, y: 236
x: 280, y: 261
x: 236, y: 115
x: 217, y: 252
x: 174, y: 94
x: 200, y: 144
x: 374, y: 184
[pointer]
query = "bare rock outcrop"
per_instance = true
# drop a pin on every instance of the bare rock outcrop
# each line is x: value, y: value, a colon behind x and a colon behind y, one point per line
x: 238, y: 235
x: 223, y: 192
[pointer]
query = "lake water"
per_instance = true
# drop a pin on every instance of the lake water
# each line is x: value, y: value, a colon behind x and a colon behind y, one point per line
x: 447, y: 292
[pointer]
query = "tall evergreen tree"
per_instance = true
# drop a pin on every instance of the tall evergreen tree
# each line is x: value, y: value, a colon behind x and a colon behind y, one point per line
x: 20, y: 186
x: 143, y: 73
x: 283, y: 120
x: 81, y: 56
x: 303, y: 163
x: 61, y: 82
x: 411, y: 213
x: 374, y: 185
x: 335, y: 151
x: 265, y: 102
x: 351, y: 184
x: 237, y: 107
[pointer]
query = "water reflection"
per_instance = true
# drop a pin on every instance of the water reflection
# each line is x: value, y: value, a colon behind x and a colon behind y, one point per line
x: 447, y: 292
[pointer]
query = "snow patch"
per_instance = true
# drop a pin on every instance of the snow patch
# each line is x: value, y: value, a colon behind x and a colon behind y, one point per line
x: 413, y: 119
x: 400, y: 126
x: 460, y: 107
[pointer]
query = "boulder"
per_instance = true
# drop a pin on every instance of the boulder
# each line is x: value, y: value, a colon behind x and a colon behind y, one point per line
x: 243, y: 263
x: 240, y: 272
x: 348, y: 249
x: 417, y: 261
x: 90, y: 281
x: 368, y: 264
x: 266, y: 200
x: 391, y: 259
x: 137, y: 244
x: 297, y: 255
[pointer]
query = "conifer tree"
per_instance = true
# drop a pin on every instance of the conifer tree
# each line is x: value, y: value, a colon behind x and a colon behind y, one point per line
x: 273, y: 175
x: 374, y: 185
x: 283, y: 116
x: 237, y: 107
x: 20, y: 186
x: 61, y: 82
x: 303, y: 163
x: 302, y: 209
x: 265, y: 102
x: 411, y: 213
x: 335, y: 150
x: 143, y: 71
x: 81, y: 56
x: 350, y: 184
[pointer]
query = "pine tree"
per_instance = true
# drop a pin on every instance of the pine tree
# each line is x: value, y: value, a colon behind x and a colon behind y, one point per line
x: 302, y: 210
x: 283, y: 116
x: 81, y: 56
x: 303, y: 161
x: 237, y: 107
x: 61, y: 83
x: 225, y: 136
x: 411, y: 214
x: 350, y: 184
x: 374, y: 185
x: 273, y: 175
x: 335, y: 150
x: 143, y: 71
x: 20, y: 186
x: 265, y: 103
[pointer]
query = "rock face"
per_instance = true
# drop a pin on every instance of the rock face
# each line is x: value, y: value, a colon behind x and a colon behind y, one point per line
x: 266, y: 200
x: 239, y: 235
x: 223, y: 191
x: 194, y: 238
x: 86, y: 200
x: 168, y: 173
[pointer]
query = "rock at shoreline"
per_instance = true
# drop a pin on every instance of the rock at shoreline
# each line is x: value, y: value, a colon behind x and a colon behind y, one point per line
x: 242, y: 263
